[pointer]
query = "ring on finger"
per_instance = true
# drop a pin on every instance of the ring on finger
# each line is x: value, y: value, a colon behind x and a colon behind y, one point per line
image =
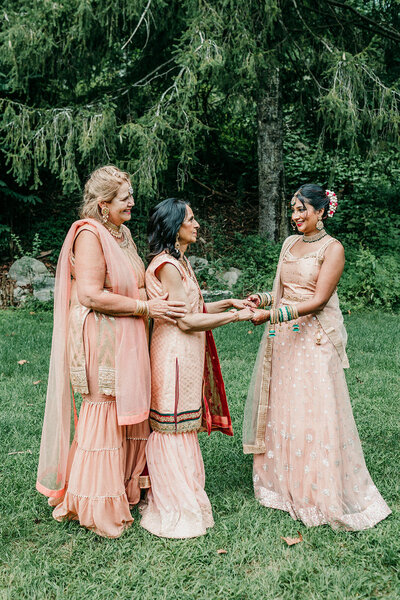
x: 168, y: 313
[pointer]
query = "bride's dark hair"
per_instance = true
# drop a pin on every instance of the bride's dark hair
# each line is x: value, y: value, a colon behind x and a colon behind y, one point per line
x: 164, y: 223
x: 315, y: 195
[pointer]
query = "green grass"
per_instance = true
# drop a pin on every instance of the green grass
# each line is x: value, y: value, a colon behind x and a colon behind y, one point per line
x: 43, y: 559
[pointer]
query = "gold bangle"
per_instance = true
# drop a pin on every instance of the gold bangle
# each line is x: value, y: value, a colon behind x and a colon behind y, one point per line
x: 142, y: 308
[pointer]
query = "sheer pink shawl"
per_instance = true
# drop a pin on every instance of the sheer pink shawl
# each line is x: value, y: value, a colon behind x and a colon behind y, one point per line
x: 132, y: 364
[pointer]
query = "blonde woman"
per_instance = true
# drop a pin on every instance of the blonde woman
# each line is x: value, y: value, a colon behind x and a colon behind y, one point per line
x: 100, y: 350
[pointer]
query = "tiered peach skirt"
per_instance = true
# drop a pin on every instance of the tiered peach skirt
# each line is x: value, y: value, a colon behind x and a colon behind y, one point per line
x: 177, y: 504
x: 105, y: 460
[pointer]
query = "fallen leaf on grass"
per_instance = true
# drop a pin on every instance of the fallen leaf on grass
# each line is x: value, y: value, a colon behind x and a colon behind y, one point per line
x: 36, y: 382
x: 20, y: 452
x: 222, y: 551
x: 29, y: 404
x: 250, y: 331
x: 22, y: 362
x: 291, y: 541
x: 32, y: 313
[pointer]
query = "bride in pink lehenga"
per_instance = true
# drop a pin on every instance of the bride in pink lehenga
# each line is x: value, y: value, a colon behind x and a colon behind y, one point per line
x: 99, y: 349
x: 298, y: 418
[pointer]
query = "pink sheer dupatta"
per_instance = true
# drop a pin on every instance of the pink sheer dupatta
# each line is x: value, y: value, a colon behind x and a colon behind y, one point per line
x: 132, y: 364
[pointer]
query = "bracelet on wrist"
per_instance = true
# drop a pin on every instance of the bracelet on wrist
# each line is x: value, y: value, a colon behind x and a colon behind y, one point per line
x: 142, y: 308
x: 266, y: 299
x: 283, y: 315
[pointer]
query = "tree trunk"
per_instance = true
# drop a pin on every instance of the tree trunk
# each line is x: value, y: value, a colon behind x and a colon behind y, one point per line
x: 272, y: 205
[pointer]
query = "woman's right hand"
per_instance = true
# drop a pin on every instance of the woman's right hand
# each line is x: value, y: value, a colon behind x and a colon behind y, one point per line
x: 160, y: 308
x: 254, y: 298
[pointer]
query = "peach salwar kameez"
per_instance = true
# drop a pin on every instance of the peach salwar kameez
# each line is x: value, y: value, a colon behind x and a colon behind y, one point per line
x: 177, y: 504
x: 106, y: 459
x: 311, y: 462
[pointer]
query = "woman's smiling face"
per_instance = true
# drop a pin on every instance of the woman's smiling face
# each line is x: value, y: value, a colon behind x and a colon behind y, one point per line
x: 121, y: 205
x: 305, y: 216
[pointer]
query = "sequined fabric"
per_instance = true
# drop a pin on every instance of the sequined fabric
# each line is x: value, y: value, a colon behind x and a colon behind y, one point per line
x: 313, y: 466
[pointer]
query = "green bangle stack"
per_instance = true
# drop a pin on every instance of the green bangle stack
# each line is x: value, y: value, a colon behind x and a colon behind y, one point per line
x: 266, y: 299
x: 282, y: 315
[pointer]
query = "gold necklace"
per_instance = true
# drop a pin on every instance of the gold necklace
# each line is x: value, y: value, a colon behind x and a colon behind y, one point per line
x: 309, y: 239
x: 184, y: 262
x: 115, y: 231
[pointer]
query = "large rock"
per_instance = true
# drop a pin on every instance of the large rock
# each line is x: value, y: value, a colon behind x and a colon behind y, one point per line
x: 230, y: 277
x: 31, y: 278
x: 198, y: 262
x: 213, y: 295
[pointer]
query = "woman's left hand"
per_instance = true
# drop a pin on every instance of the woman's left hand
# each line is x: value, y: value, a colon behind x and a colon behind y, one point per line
x: 241, y: 304
x: 260, y: 316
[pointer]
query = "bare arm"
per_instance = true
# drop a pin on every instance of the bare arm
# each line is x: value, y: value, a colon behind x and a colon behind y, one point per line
x: 90, y: 272
x: 328, y: 278
x: 172, y: 284
x: 222, y: 305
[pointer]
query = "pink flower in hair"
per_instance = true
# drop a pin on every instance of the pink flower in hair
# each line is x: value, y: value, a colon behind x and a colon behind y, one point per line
x: 332, y: 202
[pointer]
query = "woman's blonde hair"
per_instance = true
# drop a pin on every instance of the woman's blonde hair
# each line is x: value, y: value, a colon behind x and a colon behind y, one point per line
x: 103, y: 184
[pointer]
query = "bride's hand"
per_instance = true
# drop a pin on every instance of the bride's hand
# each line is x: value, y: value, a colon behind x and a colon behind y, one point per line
x: 255, y: 299
x: 160, y: 308
x: 260, y: 316
x: 240, y: 304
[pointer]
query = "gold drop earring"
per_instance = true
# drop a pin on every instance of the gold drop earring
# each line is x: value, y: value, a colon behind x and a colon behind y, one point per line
x: 105, y: 211
x: 177, y: 244
x: 319, y: 224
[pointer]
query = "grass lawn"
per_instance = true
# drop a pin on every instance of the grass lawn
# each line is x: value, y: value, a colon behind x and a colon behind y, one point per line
x: 43, y: 559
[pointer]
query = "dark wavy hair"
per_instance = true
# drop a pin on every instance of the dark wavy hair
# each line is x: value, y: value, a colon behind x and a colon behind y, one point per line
x: 164, y: 223
x: 314, y: 195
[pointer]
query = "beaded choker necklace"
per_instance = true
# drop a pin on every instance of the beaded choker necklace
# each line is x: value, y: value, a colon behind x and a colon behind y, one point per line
x: 115, y: 231
x: 309, y: 239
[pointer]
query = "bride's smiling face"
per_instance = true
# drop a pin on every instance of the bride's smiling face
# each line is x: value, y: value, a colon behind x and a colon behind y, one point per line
x: 304, y: 216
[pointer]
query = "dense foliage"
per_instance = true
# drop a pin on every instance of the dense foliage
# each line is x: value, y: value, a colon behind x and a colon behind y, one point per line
x: 171, y: 91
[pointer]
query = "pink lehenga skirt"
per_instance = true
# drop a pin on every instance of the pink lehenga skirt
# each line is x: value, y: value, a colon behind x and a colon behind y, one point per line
x: 105, y: 460
x: 313, y: 466
x: 177, y: 504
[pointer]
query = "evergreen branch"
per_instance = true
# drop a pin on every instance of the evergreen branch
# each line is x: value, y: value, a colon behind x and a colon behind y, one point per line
x: 384, y: 30
x: 138, y: 25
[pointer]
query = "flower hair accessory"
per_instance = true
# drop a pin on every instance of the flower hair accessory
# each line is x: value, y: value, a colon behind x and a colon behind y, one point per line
x: 333, y: 202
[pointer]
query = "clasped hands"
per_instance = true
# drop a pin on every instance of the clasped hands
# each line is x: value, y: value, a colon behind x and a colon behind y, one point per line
x: 248, y: 311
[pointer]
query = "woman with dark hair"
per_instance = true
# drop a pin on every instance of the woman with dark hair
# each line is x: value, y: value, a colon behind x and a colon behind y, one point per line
x: 187, y: 389
x: 298, y: 418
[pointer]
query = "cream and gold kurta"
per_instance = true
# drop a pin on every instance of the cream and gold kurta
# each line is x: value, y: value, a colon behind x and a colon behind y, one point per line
x: 177, y: 359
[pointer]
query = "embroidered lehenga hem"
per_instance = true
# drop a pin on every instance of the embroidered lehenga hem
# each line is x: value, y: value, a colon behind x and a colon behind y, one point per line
x: 312, y: 516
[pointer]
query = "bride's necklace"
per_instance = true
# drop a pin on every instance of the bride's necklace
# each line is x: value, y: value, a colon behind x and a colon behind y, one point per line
x: 309, y: 239
x: 115, y: 231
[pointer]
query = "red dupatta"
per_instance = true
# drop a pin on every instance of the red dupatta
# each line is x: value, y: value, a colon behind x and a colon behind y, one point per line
x: 216, y: 415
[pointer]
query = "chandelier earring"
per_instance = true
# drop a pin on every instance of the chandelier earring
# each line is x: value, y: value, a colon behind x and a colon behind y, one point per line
x: 293, y: 225
x: 320, y: 224
x: 105, y: 211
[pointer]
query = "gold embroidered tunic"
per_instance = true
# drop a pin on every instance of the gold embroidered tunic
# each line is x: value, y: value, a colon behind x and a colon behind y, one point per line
x: 177, y: 359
